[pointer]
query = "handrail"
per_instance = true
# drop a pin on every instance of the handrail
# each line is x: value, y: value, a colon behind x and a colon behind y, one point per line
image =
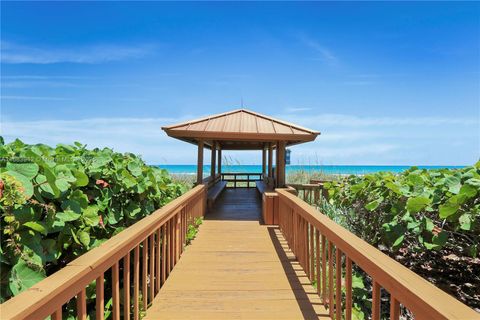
x: 235, y: 180
x: 310, y: 192
x: 309, y: 234
x: 160, y: 237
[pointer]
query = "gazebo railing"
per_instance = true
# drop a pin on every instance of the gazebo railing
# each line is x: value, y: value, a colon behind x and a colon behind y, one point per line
x: 138, y: 260
x: 327, y: 252
x: 241, y: 179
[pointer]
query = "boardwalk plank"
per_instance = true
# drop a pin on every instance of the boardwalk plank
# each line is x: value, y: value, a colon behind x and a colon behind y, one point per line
x: 237, y: 269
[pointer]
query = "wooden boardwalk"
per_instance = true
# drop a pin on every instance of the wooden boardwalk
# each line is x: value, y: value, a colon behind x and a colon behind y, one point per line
x: 237, y: 269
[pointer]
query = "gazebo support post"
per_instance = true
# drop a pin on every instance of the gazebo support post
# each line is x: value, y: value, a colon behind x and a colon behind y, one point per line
x: 270, y: 160
x: 281, y: 164
x: 200, y: 162
x: 219, y: 160
x: 264, y: 161
x: 213, y: 163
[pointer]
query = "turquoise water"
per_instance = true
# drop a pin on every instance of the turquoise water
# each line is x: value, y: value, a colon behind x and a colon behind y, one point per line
x: 329, y: 169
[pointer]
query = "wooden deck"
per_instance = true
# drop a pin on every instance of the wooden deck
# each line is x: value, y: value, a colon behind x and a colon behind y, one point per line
x: 237, y: 269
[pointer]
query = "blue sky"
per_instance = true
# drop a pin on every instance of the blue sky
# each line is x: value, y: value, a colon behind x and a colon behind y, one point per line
x: 385, y: 83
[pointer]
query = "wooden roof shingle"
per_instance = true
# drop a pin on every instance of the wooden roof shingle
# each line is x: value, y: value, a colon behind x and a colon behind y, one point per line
x: 240, y: 129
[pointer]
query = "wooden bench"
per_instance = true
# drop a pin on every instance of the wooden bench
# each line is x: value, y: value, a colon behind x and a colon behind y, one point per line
x: 214, y: 192
x: 262, y: 187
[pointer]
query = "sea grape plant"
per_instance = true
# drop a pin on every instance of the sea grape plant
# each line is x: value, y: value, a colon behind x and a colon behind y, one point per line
x: 57, y: 203
x: 422, y: 208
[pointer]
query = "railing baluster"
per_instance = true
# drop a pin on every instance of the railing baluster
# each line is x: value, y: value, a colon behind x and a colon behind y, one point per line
x: 151, y: 260
x: 172, y: 245
x: 145, y: 274
x: 82, y: 305
x: 348, y: 289
x: 317, y: 259
x: 177, y: 237
x: 330, y: 278
x: 115, y: 292
x: 306, y: 258
x: 157, y: 264
x: 338, y: 285
x: 126, y: 286
x: 136, y: 281
x: 100, y: 300
x: 394, y: 308
x: 57, y: 315
x: 312, y: 254
x: 168, y: 234
x: 324, y: 270
x: 164, y: 253
x: 376, y: 301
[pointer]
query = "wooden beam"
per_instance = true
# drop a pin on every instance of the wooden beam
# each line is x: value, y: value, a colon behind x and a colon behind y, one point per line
x: 270, y: 160
x: 200, y: 162
x: 264, y: 161
x: 213, y: 163
x: 281, y: 164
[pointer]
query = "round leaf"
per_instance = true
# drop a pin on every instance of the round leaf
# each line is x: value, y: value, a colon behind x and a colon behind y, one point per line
x: 23, y: 277
x: 29, y: 170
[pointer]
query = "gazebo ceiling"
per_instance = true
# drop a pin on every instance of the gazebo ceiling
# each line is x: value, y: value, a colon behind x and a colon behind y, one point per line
x: 240, y: 129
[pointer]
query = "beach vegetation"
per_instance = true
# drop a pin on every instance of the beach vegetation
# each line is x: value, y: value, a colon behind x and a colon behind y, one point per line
x: 428, y: 220
x: 59, y: 202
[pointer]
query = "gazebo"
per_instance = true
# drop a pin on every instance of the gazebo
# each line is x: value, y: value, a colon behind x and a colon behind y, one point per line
x: 242, y: 130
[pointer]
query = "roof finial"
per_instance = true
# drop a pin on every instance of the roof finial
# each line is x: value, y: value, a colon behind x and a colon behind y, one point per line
x: 241, y: 101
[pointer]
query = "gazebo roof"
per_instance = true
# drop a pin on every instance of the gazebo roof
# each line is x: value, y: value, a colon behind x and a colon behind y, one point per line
x: 240, y: 129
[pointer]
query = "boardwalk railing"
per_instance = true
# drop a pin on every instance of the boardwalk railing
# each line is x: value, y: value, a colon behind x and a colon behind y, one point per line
x: 241, y: 179
x: 310, y: 192
x: 157, y: 241
x: 323, y: 249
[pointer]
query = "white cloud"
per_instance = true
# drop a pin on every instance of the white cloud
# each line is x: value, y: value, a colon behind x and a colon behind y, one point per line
x: 298, y: 109
x: 140, y: 136
x: 324, y: 54
x: 16, y: 54
x: 345, y: 139
x: 316, y: 121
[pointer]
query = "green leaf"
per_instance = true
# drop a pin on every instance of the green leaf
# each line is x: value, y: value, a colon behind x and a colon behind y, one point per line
x: 453, y: 184
x: 417, y: 204
x: 81, y: 178
x: 100, y: 161
x: 28, y: 170
x: 429, y: 225
x: 62, y: 184
x: 23, y: 277
x: 36, y: 226
x: 64, y: 148
x: 465, y: 221
x: 77, y: 201
x: 468, y: 191
x: 84, y: 238
x: 473, y: 182
x: 26, y: 183
x: 134, y: 168
x: 357, y: 282
x: 394, y: 187
x: 51, y: 179
x: 374, y: 204
x: 441, y: 239
x: 67, y: 216
x: 448, y: 209
x: 398, y: 242
x: 90, y: 216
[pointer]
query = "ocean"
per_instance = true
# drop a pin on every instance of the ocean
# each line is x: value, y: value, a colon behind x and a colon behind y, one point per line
x: 328, y: 169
